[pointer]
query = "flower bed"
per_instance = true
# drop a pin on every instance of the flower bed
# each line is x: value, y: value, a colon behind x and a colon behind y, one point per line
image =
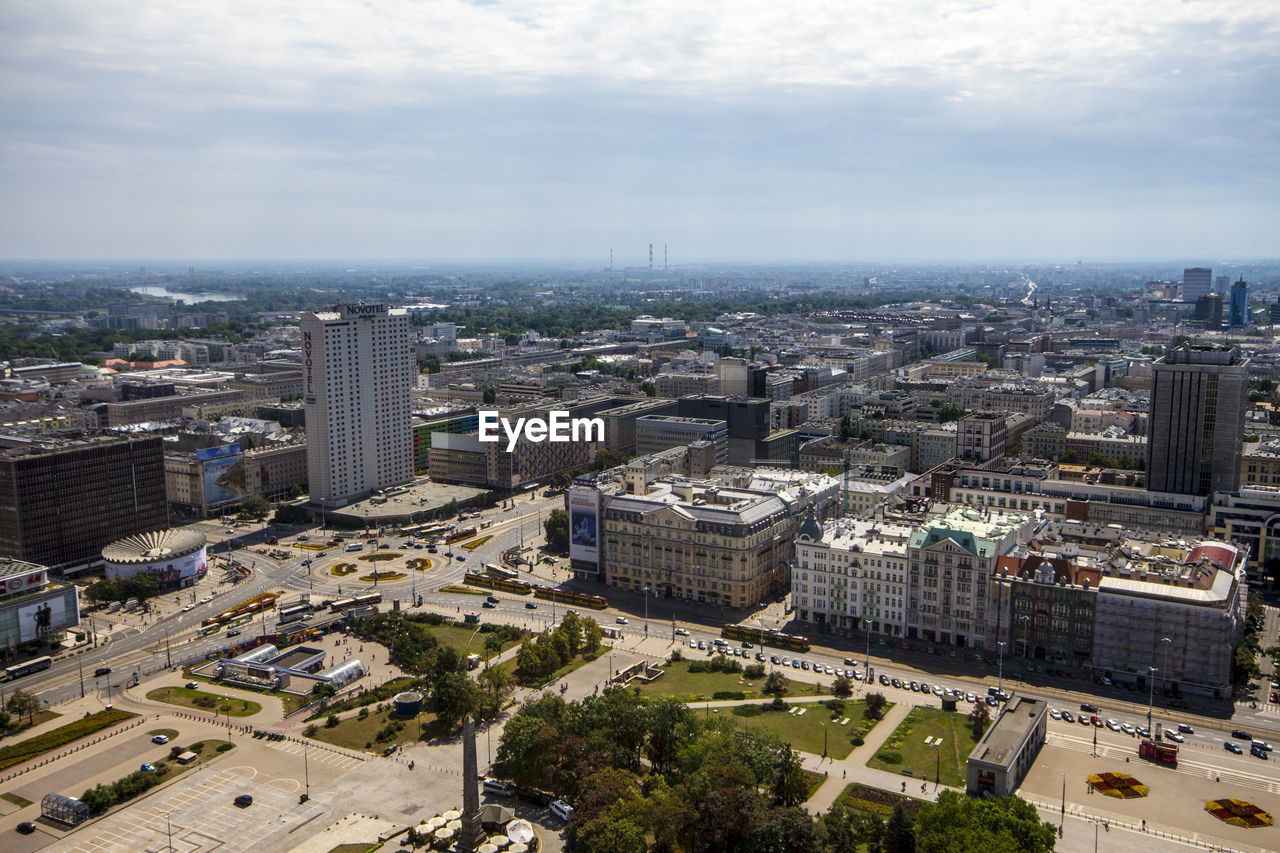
x: 383, y: 576
x: 1118, y: 785
x: 380, y: 556
x: 1238, y: 813
x: 476, y: 543
x: 343, y: 569
x: 419, y: 563
x: 867, y: 799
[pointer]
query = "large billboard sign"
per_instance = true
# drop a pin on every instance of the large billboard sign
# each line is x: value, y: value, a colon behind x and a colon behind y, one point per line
x: 37, y: 621
x: 224, y: 478
x: 165, y: 571
x: 584, y: 525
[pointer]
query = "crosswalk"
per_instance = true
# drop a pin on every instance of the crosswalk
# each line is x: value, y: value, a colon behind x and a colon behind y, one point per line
x: 340, y: 760
x: 1186, y: 763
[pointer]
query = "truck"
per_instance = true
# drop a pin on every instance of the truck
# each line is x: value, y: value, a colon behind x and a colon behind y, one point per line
x: 1160, y: 753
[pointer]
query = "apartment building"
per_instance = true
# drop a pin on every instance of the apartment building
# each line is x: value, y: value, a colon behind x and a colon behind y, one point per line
x: 851, y: 575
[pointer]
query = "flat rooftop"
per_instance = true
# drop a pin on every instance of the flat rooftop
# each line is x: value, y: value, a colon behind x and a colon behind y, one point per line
x: 1009, y: 731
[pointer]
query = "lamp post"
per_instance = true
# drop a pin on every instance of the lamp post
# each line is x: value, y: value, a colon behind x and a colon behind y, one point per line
x: 1151, y: 693
x: 80, y: 661
x: 306, y: 773
x: 168, y: 828
x: 262, y: 608
x: 937, y: 766
x: 1026, y: 635
x: 1000, y: 677
x: 866, y: 667
x: 646, y: 611
x: 824, y: 740
x: 1166, y: 642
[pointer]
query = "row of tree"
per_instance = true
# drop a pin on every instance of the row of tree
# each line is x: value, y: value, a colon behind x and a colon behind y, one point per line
x: 543, y: 655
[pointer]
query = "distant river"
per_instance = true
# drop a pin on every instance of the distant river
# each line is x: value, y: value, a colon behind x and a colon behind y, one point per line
x: 184, y: 298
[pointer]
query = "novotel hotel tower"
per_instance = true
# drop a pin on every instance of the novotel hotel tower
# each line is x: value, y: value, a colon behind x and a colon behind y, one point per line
x: 358, y: 370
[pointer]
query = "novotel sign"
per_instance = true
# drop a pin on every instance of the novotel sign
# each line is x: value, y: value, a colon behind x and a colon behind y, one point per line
x: 363, y: 310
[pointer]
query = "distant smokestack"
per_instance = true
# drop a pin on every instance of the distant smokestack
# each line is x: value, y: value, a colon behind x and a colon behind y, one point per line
x: 650, y: 256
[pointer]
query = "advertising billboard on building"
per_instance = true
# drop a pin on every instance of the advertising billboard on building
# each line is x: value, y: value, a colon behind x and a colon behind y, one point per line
x: 584, y: 525
x: 37, y: 621
x: 224, y: 475
x: 166, y: 570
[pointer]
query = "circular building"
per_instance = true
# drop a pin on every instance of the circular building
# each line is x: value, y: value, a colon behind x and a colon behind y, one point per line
x: 407, y: 704
x: 174, y: 557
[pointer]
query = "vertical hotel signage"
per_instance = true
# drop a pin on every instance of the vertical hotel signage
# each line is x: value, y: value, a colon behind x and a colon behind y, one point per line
x: 306, y: 363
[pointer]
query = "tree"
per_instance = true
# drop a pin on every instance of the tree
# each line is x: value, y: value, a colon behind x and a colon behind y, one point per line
x: 141, y: 585
x: 670, y: 721
x: 775, y: 684
x: 104, y: 590
x: 899, y: 834
x: 958, y: 822
x: 850, y: 831
x: 789, y: 785
x: 649, y: 389
x: 495, y: 687
x: 453, y: 697
x: 490, y: 395
x: 979, y: 719
x: 23, y: 704
x: 875, y: 703
x: 842, y: 687
x: 592, y: 636
x: 257, y: 506
x: 557, y: 530
x: 290, y: 514
x: 846, y: 428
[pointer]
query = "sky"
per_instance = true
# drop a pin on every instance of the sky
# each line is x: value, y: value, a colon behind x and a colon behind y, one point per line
x: 745, y: 130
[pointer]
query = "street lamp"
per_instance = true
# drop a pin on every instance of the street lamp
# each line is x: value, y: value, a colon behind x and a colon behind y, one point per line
x: 1026, y: 635
x: 1000, y: 677
x: 168, y: 828
x: 866, y: 667
x: 262, y: 608
x: 824, y: 740
x: 1151, y: 693
x: 1166, y: 642
x: 646, y: 611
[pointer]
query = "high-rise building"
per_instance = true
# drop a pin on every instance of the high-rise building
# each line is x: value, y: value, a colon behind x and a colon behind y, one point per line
x: 1198, y: 397
x: 981, y: 437
x: 1239, y: 304
x: 1196, y: 282
x: 1209, y: 310
x: 358, y: 371
x: 656, y: 433
x: 61, y: 500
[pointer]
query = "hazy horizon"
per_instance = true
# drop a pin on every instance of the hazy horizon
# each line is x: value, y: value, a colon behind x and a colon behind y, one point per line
x: 460, y: 132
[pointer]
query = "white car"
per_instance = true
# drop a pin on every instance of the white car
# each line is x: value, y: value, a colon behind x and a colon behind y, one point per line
x: 1113, y: 725
x: 206, y: 599
x: 693, y: 644
x: 1127, y: 728
x: 680, y: 632
x: 621, y: 620
x: 1174, y: 736
x: 828, y: 670
x: 1054, y: 713
x: 187, y: 607
x: 937, y: 690
x: 972, y: 697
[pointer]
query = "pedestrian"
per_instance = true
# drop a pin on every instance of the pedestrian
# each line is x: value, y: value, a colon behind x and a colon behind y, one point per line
x: 1144, y: 824
x: 844, y: 774
x: 904, y: 787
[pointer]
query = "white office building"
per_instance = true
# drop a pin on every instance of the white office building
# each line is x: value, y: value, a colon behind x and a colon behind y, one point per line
x: 358, y: 368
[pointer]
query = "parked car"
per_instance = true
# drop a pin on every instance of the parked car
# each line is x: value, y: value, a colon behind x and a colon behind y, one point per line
x: 529, y: 605
x: 1242, y: 734
x: 533, y: 795
x: 191, y: 685
x: 26, y: 827
x: 498, y: 787
x: 148, y: 767
x: 1068, y: 716
x: 244, y: 800
x: 1186, y: 729
x: 621, y: 620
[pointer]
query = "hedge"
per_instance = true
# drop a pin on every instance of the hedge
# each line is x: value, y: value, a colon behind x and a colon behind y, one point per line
x: 31, y: 747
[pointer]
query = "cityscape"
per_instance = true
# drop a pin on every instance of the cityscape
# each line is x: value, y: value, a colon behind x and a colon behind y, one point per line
x: 510, y: 427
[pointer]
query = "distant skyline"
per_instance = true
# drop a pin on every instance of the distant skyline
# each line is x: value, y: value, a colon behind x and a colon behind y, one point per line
x: 753, y: 131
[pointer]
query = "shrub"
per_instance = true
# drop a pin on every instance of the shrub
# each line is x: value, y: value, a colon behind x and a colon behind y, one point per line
x: 310, y: 731
x: 748, y: 710
x: 332, y: 721
x: 889, y: 756
x: 857, y: 739
x: 364, y: 712
x: 777, y: 704
x: 726, y: 695
x: 198, y: 746
x: 753, y: 671
x: 676, y: 656
x: 835, y: 706
x: 223, y: 747
x: 204, y: 702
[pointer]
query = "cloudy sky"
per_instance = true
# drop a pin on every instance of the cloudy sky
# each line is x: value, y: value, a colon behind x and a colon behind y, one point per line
x: 751, y: 130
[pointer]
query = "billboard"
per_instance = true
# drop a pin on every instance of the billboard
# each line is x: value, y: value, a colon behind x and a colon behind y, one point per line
x: 584, y: 525
x: 224, y: 479
x: 37, y: 621
x: 217, y: 452
x: 166, y: 571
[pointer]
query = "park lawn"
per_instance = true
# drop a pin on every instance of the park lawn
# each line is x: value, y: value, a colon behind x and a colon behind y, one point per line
x: 804, y: 731
x: 290, y: 701
x: 360, y: 733
x: 460, y: 638
x: 679, y: 683
x: 20, y: 802
x: 187, y: 698
x: 462, y: 590
x: 19, y: 726
x: 921, y: 761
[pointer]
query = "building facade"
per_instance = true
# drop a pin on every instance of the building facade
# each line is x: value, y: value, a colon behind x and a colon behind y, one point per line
x: 358, y: 370
x: 851, y: 575
x: 1198, y: 399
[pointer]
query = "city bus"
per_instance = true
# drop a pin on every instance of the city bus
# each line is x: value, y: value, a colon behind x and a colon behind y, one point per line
x: 34, y: 665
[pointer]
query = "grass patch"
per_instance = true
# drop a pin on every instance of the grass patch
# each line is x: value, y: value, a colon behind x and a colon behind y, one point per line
x: 580, y: 660
x: 865, y: 798
x: 380, y: 556
x: 20, y: 802
x: 377, y: 731
x: 31, y: 747
x: 803, y: 731
x: 290, y: 701
x: 352, y: 848
x: 679, y: 683
x: 202, y: 701
x: 169, y: 733
x: 814, y: 779
x: 906, y: 752
x: 476, y: 543
x: 460, y: 637
x: 464, y: 590
x: 343, y: 569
